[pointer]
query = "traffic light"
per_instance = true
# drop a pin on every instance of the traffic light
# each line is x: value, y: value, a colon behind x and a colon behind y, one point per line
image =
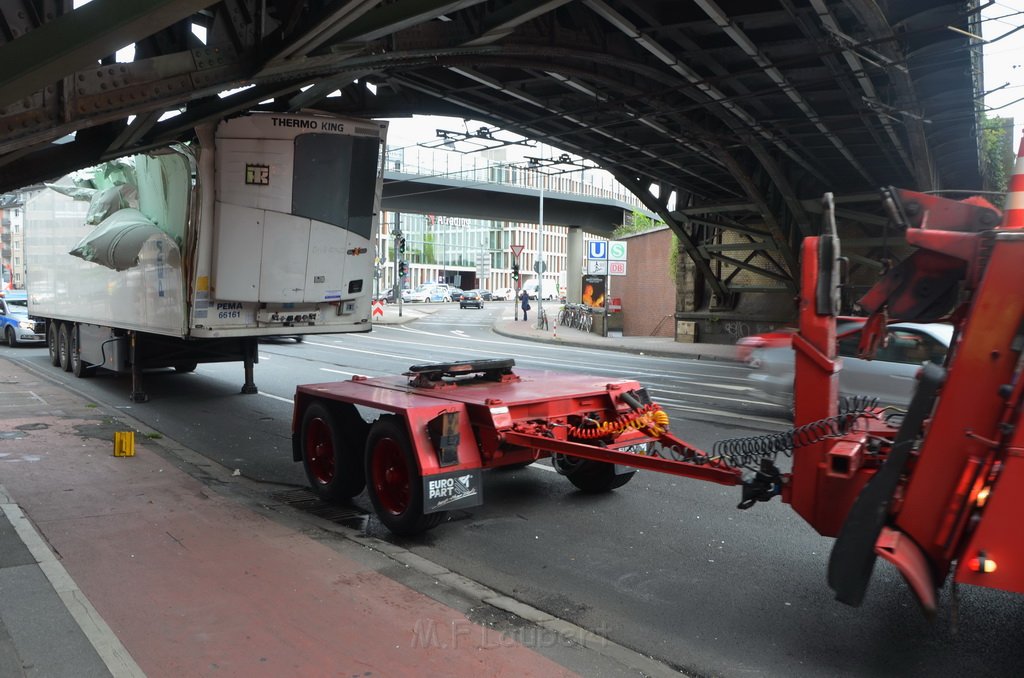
x: 515, y: 272
x: 403, y: 268
x: 400, y: 244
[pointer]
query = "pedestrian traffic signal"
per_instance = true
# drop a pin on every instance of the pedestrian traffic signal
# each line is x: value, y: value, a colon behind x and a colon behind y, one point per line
x: 515, y: 272
x: 402, y: 269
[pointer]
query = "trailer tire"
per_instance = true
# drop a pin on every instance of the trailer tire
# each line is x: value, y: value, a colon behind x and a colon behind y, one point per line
x: 185, y: 368
x: 592, y: 477
x: 12, y: 337
x: 64, y: 346
x: 79, y: 367
x: 393, y: 479
x: 52, y: 341
x: 333, y: 468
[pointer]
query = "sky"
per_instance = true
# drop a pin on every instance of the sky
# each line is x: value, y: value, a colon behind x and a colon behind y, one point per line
x: 1003, y: 61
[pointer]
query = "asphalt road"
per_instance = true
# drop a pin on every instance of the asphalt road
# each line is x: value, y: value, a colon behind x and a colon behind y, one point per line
x: 665, y: 565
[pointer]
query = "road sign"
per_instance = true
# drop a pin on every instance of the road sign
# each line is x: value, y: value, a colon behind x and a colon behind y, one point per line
x: 597, y: 267
x: 617, y: 250
x: 616, y: 268
x: 377, y: 309
x: 597, y: 249
x: 539, y: 267
x: 516, y: 250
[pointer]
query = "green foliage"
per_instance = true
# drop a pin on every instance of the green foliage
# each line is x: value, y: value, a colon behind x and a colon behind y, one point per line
x: 639, y: 223
x: 996, y: 153
x: 428, y: 249
x: 673, y: 259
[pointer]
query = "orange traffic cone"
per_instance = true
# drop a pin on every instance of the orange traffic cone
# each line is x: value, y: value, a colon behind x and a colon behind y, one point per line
x: 1013, y: 211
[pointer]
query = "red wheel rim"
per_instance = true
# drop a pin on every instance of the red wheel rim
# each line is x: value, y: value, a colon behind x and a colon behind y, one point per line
x: 390, y: 474
x: 320, y: 451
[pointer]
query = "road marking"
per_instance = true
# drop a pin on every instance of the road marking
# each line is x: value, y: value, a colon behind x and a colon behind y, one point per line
x: 678, y: 405
x: 356, y: 350
x: 107, y: 645
x: 351, y: 374
x: 583, y: 365
x: 276, y: 397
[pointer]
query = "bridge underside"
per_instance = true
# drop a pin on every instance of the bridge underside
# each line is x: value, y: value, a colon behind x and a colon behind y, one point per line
x: 744, y: 111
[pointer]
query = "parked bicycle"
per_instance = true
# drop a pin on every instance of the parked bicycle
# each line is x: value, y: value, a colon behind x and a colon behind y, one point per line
x: 576, y: 316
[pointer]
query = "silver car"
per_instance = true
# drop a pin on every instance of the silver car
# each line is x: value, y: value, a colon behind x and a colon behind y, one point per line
x: 890, y: 376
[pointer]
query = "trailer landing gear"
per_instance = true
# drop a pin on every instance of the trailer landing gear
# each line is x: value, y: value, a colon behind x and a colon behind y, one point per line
x: 249, y: 387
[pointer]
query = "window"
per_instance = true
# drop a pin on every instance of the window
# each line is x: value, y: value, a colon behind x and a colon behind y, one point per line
x: 901, y: 346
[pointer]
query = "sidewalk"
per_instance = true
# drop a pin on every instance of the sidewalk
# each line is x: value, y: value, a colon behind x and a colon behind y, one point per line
x: 563, y: 336
x: 165, y: 564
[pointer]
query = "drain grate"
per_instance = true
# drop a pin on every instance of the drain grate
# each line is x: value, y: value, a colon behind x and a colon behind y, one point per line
x: 305, y: 500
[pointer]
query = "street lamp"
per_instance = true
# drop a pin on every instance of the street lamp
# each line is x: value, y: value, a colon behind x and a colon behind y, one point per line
x: 539, y: 266
x: 539, y: 164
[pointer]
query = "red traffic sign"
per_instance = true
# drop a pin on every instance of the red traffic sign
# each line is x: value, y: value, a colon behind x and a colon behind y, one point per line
x: 517, y: 250
x: 377, y: 308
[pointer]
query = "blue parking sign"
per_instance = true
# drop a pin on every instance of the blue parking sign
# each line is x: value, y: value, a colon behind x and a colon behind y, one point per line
x: 597, y: 249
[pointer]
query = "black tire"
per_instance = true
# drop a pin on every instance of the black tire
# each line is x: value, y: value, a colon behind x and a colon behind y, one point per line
x: 394, y: 480
x: 64, y: 346
x: 592, y: 477
x: 52, y: 341
x: 79, y: 367
x: 12, y: 337
x: 185, y: 368
x: 333, y: 468
x: 299, y: 338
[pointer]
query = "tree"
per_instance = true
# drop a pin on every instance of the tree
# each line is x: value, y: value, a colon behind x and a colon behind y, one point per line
x: 996, y: 152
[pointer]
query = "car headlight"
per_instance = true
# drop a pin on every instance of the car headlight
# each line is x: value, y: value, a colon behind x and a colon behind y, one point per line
x: 29, y: 325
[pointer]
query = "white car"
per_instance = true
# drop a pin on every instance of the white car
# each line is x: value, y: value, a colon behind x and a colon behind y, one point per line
x: 890, y: 376
x: 429, y: 292
x: 503, y: 294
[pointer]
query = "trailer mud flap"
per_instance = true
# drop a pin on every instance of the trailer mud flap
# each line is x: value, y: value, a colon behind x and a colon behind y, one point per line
x: 455, y: 490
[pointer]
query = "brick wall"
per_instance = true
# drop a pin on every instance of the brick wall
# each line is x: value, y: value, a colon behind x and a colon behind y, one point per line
x: 648, y: 291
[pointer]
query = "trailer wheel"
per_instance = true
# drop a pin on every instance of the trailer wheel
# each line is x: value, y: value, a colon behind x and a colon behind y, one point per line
x: 592, y: 477
x: 79, y: 367
x: 52, y: 342
x: 393, y: 479
x: 64, y: 346
x: 185, y: 368
x: 334, y: 469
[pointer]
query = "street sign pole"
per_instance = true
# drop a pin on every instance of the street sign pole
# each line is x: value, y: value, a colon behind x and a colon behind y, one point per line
x: 539, y: 264
x: 398, y: 280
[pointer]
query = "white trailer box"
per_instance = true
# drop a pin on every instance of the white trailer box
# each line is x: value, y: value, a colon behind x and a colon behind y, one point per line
x: 265, y: 226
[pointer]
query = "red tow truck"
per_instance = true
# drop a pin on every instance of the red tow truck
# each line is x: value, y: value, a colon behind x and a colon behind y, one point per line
x: 934, y: 489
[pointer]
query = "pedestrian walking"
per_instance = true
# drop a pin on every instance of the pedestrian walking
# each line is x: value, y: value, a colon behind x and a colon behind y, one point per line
x: 524, y: 303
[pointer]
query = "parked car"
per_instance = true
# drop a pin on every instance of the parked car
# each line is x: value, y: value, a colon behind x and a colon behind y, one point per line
x: 16, y: 324
x: 503, y: 294
x: 433, y: 292
x: 471, y: 298
x: 486, y: 295
x: 890, y: 376
x: 455, y: 293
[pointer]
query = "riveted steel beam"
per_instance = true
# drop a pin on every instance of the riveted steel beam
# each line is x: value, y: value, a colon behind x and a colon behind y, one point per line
x: 71, y: 42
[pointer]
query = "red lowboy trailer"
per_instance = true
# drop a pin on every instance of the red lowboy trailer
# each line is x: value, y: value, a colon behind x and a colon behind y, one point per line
x: 934, y: 491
